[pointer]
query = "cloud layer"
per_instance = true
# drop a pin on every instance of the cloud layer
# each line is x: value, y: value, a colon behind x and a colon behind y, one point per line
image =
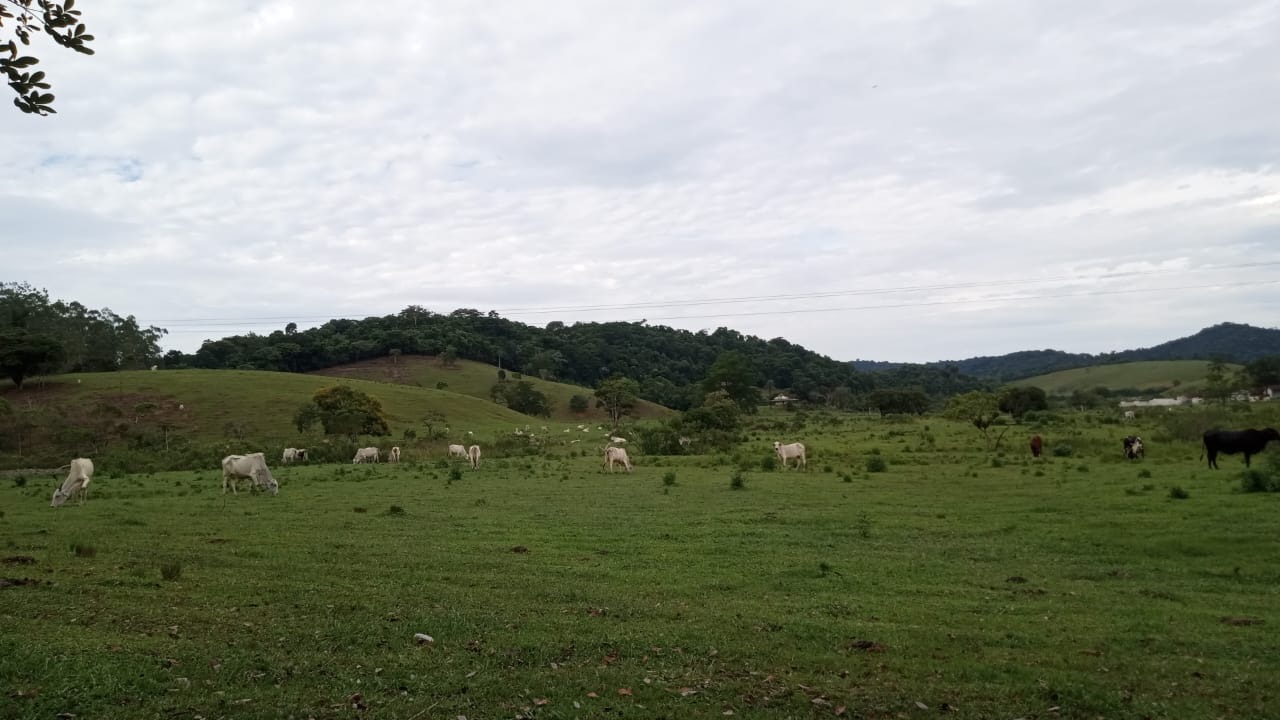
x: 220, y: 162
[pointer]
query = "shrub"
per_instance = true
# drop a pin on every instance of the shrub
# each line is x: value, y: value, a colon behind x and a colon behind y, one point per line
x: 20, y: 481
x: 738, y: 481
x: 360, y: 509
x: 1063, y: 450
x: 84, y: 549
x: 1144, y: 473
x: 769, y: 463
x: 876, y: 464
x: 442, y: 385
x: 1038, y: 473
x: 1177, y: 493
x: 171, y: 571
x: 669, y: 478
x: 1255, y: 480
x: 997, y: 462
x: 395, y: 510
x: 455, y: 474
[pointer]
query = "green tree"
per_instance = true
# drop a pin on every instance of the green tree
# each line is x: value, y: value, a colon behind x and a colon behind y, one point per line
x: 618, y: 396
x: 732, y: 373
x: 343, y: 410
x: 1264, y: 371
x: 981, y: 410
x: 1218, y: 384
x: 1018, y: 401
x: 522, y: 397
x: 579, y: 403
x: 905, y: 402
x: 449, y: 356
x: 435, y: 422
x: 718, y: 411
x: 24, y: 353
x: 61, y: 22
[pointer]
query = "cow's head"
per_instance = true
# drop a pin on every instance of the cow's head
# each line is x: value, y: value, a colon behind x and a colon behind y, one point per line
x: 1271, y: 434
x: 59, y: 497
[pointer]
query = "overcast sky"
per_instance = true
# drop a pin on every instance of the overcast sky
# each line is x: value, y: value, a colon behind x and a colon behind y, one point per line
x: 935, y: 180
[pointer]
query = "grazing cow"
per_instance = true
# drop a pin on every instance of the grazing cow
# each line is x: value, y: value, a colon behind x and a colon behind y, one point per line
x: 302, y: 454
x: 1129, y: 416
x: 365, y: 455
x: 77, y: 482
x: 473, y: 454
x: 792, y: 450
x: 290, y: 455
x: 252, y: 466
x: 616, y: 455
x: 1133, y: 448
x: 458, y: 451
x: 395, y: 455
x: 618, y: 440
x: 1037, y: 446
x: 1229, y: 442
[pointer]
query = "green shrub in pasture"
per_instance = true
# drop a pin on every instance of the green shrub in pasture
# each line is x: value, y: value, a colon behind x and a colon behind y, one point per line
x: 84, y: 549
x: 1177, y: 493
x: 769, y: 462
x: 1063, y: 450
x: 876, y: 464
x: 1144, y: 473
x: 171, y: 571
x: 738, y: 481
x: 669, y: 478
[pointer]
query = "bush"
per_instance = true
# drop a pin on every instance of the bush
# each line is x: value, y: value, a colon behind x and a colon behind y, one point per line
x: 1144, y: 473
x: 395, y: 510
x: 876, y: 464
x: 1063, y: 450
x: 455, y: 474
x: 669, y: 478
x: 1177, y: 493
x: 171, y: 571
x: 769, y: 463
x: 1255, y: 480
x: 997, y: 462
x: 738, y: 481
x: 20, y: 481
x: 84, y: 549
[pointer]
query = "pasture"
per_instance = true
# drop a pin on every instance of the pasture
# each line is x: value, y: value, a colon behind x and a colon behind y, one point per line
x: 1168, y: 377
x: 955, y: 583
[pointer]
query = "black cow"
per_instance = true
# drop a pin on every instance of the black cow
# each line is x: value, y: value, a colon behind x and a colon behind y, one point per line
x: 1133, y: 448
x: 1229, y: 442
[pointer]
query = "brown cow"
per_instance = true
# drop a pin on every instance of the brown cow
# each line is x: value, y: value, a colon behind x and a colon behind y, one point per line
x: 1037, y: 445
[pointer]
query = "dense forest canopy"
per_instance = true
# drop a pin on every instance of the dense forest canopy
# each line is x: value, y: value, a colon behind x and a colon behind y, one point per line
x: 670, y: 365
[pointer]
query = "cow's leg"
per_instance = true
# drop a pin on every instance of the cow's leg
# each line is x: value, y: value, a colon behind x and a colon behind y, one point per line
x: 1246, y: 459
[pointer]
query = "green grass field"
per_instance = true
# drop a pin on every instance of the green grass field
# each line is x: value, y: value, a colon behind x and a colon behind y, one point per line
x: 1172, y: 377
x: 957, y: 584
x: 476, y: 379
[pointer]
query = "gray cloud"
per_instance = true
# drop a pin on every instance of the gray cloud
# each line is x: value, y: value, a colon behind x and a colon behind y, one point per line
x: 243, y: 160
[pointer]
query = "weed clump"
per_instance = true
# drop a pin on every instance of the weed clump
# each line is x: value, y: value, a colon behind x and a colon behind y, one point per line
x: 1144, y: 473
x: 876, y: 463
x: 738, y: 481
x: 669, y: 478
x: 171, y: 571
x: 84, y: 549
x: 395, y: 510
x: 769, y: 463
x: 455, y: 474
x: 1063, y: 450
x: 1177, y: 493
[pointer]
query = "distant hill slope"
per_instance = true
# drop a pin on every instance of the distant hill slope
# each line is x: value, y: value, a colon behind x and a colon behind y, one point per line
x: 1232, y: 342
x: 1171, y: 377
x: 475, y: 379
x: 66, y: 412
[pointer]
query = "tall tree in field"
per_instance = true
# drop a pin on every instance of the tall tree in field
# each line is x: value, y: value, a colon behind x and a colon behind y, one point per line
x: 1264, y: 371
x: 732, y: 373
x: 22, y: 19
x: 981, y: 410
x: 618, y: 396
x: 343, y: 410
x: 1217, y: 382
x: 1018, y: 401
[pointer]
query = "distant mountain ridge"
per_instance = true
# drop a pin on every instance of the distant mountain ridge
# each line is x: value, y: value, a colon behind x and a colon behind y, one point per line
x: 1232, y: 342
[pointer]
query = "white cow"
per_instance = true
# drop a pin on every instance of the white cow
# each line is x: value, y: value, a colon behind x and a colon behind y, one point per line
x: 1129, y: 415
x: 616, y: 455
x: 365, y: 455
x: 77, y: 482
x: 684, y: 441
x: 252, y: 466
x: 458, y: 451
x: 618, y: 440
x: 293, y: 455
x: 473, y: 454
x: 395, y: 455
x: 792, y: 450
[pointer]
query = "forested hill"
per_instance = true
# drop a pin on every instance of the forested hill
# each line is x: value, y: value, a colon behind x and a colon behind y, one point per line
x: 1232, y: 342
x: 669, y: 364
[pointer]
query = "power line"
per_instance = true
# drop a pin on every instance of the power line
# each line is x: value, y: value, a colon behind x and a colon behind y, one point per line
x: 272, y: 319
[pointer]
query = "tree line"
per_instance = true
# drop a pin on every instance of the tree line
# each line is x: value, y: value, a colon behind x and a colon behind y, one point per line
x: 39, y: 336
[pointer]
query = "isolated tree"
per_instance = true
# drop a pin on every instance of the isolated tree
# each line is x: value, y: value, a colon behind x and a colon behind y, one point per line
x: 1218, y: 384
x: 579, y: 403
x: 1018, y: 401
x: 903, y: 402
x: 432, y: 420
x: 23, y: 18
x: 522, y: 397
x: 617, y: 396
x: 24, y: 353
x: 732, y: 373
x: 981, y: 410
x: 718, y: 411
x: 342, y: 410
x: 449, y: 356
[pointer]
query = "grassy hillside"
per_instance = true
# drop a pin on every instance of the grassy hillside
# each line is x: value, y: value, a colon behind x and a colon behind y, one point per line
x: 76, y: 411
x: 475, y: 379
x: 1174, y: 377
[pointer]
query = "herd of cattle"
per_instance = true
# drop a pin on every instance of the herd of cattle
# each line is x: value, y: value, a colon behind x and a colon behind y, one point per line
x: 253, y: 466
